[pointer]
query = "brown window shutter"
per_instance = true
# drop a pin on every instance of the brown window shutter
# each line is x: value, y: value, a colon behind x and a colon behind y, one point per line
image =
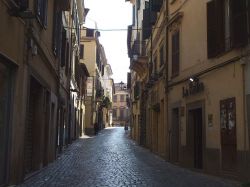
x: 220, y: 26
x: 63, y: 48
x: 175, y: 54
x: 211, y: 30
x: 81, y: 51
x: 239, y: 23
x: 146, y: 25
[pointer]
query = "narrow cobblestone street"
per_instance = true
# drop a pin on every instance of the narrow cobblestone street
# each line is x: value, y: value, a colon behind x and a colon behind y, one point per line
x: 112, y: 159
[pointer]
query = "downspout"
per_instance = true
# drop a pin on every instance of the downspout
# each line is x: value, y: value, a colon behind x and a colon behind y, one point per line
x: 166, y: 85
x: 244, y: 109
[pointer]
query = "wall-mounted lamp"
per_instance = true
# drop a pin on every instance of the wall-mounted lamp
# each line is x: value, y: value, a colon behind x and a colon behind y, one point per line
x: 193, y: 79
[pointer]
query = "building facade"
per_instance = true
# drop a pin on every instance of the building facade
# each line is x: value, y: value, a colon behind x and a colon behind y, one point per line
x: 99, y: 84
x: 195, y: 83
x: 36, y: 61
x: 120, y: 112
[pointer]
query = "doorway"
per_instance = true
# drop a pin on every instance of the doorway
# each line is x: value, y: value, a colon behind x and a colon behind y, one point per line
x: 5, y: 90
x: 33, y: 128
x: 194, y: 137
x: 174, y: 157
x: 228, y: 134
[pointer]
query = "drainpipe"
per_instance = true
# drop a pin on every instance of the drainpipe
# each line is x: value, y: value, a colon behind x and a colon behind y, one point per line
x: 166, y: 85
x: 244, y: 108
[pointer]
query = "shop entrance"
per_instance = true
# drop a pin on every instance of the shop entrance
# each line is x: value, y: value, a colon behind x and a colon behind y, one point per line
x: 195, y: 136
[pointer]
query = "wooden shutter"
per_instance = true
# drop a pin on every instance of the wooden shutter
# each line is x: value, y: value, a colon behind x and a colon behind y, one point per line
x: 146, y: 26
x: 138, y: 4
x: 239, y: 23
x: 67, y: 59
x: 63, y: 48
x: 175, y: 54
x: 57, y: 29
x: 155, y: 64
x: 128, y: 80
x: 155, y: 5
x: 81, y: 51
x: 215, y: 28
x: 45, y: 13
x: 23, y: 4
x: 39, y: 8
x: 161, y: 55
x: 211, y: 29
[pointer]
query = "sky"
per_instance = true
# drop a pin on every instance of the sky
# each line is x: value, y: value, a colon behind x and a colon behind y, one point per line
x: 110, y: 16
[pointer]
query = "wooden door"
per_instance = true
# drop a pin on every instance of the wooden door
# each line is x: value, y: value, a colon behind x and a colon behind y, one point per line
x: 5, y: 88
x: 195, y: 138
x: 228, y: 134
x: 198, y: 148
x: 175, y: 136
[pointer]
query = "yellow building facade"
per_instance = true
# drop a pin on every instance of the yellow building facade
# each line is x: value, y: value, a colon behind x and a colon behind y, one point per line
x: 194, y: 83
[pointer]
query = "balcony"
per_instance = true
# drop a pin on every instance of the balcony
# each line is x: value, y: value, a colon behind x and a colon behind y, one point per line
x: 139, y: 59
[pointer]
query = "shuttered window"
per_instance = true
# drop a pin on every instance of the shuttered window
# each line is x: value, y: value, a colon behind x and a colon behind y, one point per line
x: 81, y: 51
x: 155, y: 64
x: 161, y: 55
x: 239, y: 22
x: 23, y: 4
x: 146, y: 26
x: 155, y: 5
x: 215, y: 27
x: 138, y: 4
x: 41, y: 12
x: 90, y: 32
x: 175, y: 54
x: 226, y: 25
x: 67, y: 61
x: 63, y: 48
x: 57, y: 26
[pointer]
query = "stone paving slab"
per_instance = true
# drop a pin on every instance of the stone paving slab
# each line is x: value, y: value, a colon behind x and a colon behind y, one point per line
x: 111, y: 159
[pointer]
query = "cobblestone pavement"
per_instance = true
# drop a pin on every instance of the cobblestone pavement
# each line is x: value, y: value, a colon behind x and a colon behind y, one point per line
x: 112, y: 159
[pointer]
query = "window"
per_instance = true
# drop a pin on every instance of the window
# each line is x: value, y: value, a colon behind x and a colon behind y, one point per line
x: 114, y: 114
x: 138, y: 4
x: 23, y: 4
x: 162, y: 56
x: 67, y: 58
x: 122, y: 113
x: 81, y: 51
x: 226, y: 25
x: 41, y: 11
x: 90, y: 32
x: 175, y: 54
x: 57, y: 20
x: 155, y: 64
x: 63, y: 48
x: 115, y: 98
x: 122, y: 98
